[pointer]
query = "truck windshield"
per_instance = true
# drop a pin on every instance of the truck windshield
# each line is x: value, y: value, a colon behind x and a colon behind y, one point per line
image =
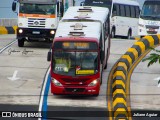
x: 151, y: 10
x: 37, y: 8
x: 75, y: 63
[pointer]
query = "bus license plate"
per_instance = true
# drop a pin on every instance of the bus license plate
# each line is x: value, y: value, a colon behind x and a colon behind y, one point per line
x: 36, y: 32
x: 151, y: 29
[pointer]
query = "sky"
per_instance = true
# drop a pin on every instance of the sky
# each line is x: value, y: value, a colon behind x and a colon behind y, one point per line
x: 6, y: 8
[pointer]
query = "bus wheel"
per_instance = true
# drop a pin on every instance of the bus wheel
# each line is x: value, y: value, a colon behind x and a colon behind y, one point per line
x: 20, y: 42
x: 113, y: 33
x: 129, y: 34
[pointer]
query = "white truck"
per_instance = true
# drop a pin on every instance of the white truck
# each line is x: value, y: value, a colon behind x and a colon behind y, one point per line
x: 37, y: 19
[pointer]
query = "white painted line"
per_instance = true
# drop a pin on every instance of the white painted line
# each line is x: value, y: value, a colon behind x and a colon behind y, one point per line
x: 8, y: 46
x: 157, y: 79
x: 159, y: 83
x: 42, y: 92
x: 13, y: 78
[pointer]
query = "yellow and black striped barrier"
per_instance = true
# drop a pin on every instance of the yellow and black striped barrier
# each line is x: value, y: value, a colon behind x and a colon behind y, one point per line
x: 119, y: 77
x: 8, y: 30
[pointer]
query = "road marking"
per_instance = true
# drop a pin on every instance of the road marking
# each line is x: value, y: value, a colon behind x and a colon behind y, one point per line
x: 157, y: 79
x: 13, y: 78
x: 44, y: 93
x: 4, y: 48
x: 159, y: 83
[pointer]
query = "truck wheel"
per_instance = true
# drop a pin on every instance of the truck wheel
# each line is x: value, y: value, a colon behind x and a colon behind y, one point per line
x: 20, y: 42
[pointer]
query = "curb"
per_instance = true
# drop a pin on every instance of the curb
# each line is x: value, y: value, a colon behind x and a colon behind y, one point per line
x: 8, y: 30
x: 120, y: 104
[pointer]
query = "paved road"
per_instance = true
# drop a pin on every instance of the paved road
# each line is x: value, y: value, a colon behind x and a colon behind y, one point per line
x: 30, y: 68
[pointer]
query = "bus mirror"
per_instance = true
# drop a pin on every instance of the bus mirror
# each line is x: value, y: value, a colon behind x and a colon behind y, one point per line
x: 49, y: 56
x: 60, y: 9
x: 14, y: 6
x: 102, y: 56
x: 82, y: 4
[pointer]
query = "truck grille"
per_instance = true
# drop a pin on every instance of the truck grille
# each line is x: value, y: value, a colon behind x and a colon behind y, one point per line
x: 36, y: 23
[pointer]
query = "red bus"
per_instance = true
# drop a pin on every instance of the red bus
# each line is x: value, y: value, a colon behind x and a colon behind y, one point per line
x: 80, y: 51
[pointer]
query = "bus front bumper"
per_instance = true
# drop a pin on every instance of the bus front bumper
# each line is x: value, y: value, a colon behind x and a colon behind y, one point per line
x: 84, y: 90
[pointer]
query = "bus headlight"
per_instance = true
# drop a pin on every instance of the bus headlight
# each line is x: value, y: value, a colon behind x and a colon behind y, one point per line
x: 93, y: 83
x: 20, y: 31
x: 52, y: 32
x: 56, y: 82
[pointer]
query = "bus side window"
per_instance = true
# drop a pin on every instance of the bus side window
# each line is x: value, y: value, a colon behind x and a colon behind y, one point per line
x: 118, y: 9
x: 133, y: 13
x: 114, y: 11
x: 106, y: 28
x: 122, y: 10
x: 127, y: 9
x: 137, y: 11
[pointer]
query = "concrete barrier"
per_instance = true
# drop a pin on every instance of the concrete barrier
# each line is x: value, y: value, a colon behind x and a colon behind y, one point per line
x: 120, y: 104
x: 8, y: 30
x: 8, y: 26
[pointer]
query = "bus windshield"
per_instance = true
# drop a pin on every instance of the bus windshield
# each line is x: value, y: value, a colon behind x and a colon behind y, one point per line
x: 151, y: 10
x: 100, y: 3
x: 44, y: 9
x: 75, y: 58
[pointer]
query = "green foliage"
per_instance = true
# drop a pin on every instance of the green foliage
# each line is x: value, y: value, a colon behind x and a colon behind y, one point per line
x: 153, y: 58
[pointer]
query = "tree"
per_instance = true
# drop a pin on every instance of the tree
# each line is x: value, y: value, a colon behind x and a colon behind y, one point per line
x: 153, y: 58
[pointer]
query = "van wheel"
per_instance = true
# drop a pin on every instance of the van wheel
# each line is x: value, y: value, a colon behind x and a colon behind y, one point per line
x: 20, y: 42
x: 113, y: 33
x: 129, y: 34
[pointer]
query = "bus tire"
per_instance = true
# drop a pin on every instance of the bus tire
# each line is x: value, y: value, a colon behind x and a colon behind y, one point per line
x: 20, y: 42
x: 129, y: 34
x: 113, y: 33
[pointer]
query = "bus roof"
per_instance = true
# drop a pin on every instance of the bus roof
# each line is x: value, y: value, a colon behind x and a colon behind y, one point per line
x: 79, y: 29
x: 80, y: 13
x: 39, y: 1
x: 126, y: 2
